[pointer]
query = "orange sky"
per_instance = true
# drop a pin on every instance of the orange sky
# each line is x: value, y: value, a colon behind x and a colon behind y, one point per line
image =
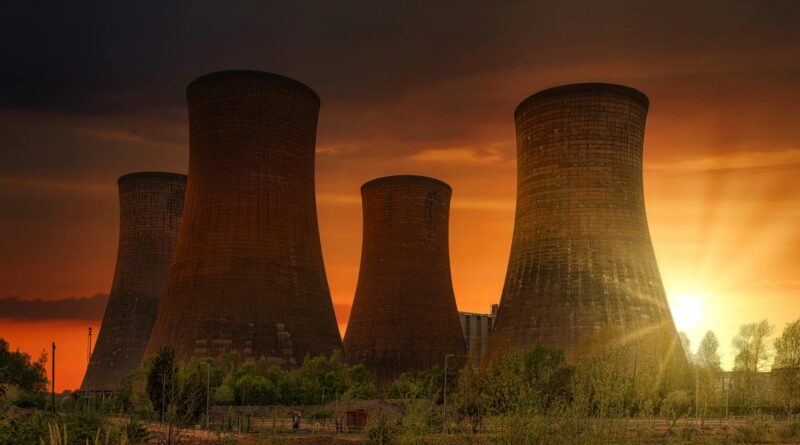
x: 722, y: 157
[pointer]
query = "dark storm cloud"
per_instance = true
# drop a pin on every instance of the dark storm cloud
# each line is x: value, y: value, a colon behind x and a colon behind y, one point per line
x: 77, y: 308
x: 100, y: 57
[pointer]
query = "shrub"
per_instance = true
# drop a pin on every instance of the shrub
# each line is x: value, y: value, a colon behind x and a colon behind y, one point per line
x: 381, y: 429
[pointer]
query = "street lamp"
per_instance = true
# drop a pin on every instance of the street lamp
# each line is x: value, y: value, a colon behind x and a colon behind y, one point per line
x: 444, y: 423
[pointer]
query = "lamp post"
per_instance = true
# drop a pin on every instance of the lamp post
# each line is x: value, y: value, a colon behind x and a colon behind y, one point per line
x: 53, y: 384
x: 208, y: 389
x: 444, y: 422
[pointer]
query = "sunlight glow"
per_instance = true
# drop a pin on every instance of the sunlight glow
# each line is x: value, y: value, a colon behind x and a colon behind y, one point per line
x: 686, y: 311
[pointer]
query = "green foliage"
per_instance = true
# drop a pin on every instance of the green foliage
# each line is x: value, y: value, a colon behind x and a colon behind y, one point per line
x: 472, y: 398
x: 132, y: 395
x: 83, y: 425
x: 786, y: 369
x: 425, y: 384
x: 135, y: 431
x: 381, y: 429
x: 420, y: 417
x: 162, y: 380
x: 224, y: 395
x: 789, y: 432
x: 676, y: 405
x: 22, y: 380
x: 185, y: 388
x: 531, y: 381
x: 23, y: 426
x: 752, y: 346
x: 19, y: 369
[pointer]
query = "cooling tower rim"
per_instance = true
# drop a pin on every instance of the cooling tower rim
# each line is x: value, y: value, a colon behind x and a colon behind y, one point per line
x: 631, y: 92
x: 405, y: 179
x: 264, y: 75
x: 166, y: 176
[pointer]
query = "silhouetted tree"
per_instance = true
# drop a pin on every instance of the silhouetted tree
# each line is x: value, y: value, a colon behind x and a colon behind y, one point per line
x: 786, y: 369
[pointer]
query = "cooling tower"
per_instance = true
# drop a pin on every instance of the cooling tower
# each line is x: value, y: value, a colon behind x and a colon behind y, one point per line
x: 404, y: 314
x: 150, y: 214
x: 582, y: 264
x: 248, y: 274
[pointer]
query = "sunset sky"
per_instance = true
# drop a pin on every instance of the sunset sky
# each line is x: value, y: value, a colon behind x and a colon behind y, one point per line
x: 89, y: 93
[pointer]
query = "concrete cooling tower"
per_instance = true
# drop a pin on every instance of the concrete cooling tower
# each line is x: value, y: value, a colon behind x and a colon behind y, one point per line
x: 582, y: 263
x: 150, y: 215
x: 404, y: 314
x: 248, y: 274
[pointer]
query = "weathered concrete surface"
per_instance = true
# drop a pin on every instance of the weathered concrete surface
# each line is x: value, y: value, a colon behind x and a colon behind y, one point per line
x: 404, y: 314
x: 248, y: 273
x: 581, y: 261
x: 150, y: 214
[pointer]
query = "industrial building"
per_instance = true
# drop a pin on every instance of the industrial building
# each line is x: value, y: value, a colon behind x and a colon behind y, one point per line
x: 477, y: 328
x: 404, y: 315
x: 248, y: 275
x: 150, y: 206
x: 582, y: 263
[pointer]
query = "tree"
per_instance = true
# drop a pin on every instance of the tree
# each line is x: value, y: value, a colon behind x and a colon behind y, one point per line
x: 687, y: 346
x: 707, y: 361
x: 19, y: 369
x: 162, y: 380
x: 22, y: 377
x: 753, y: 354
x: 708, y: 352
x: 786, y: 369
x: 424, y: 384
x: 752, y: 346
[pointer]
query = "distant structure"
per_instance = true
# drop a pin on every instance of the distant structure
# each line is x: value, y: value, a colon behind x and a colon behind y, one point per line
x: 150, y: 215
x: 582, y: 264
x: 404, y: 315
x: 477, y: 328
x: 248, y: 274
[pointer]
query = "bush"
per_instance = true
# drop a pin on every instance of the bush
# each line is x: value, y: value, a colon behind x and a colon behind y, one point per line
x: 83, y: 425
x: 676, y: 405
x: 789, y: 432
x: 381, y: 430
x: 135, y: 431
x: 23, y: 426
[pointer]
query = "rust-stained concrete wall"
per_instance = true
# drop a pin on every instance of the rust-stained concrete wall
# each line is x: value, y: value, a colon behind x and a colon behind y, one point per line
x: 248, y: 273
x: 150, y: 214
x: 404, y: 314
x: 582, y: 263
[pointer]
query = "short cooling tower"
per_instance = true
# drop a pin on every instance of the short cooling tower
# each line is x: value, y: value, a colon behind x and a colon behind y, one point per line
x: 150, y: 215
x: 248, y: 274
x: 404, y: 315
x: 582, y: 263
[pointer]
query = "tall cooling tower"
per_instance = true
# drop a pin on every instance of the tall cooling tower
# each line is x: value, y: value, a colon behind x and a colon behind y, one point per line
x: 248, y: 274
x: 404, y: 314
x: 582, y: 263
x: 150, y: 214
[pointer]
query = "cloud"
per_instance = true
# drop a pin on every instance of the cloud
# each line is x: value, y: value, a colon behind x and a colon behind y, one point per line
x: 777, y: 284
x: 73, y: 308
x: 455, y: 155
x: 339, y: 198
x: 733, y: 161
x: 57, y: 186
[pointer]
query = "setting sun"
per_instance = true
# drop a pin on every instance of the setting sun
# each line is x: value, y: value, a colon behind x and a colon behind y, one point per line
x: 686, y: 311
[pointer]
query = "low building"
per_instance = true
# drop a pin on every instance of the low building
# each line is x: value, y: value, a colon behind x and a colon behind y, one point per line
x: 477, y: 328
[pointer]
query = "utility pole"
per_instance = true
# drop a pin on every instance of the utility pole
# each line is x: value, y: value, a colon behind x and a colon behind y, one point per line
x: 444, y: 415
x: 726, y: 383
x: 208, y: 389
x: 88, y: 362
x: 163, y: 397
x: 89, y: 348
x: 53, y: 383
x: 696, y: 392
